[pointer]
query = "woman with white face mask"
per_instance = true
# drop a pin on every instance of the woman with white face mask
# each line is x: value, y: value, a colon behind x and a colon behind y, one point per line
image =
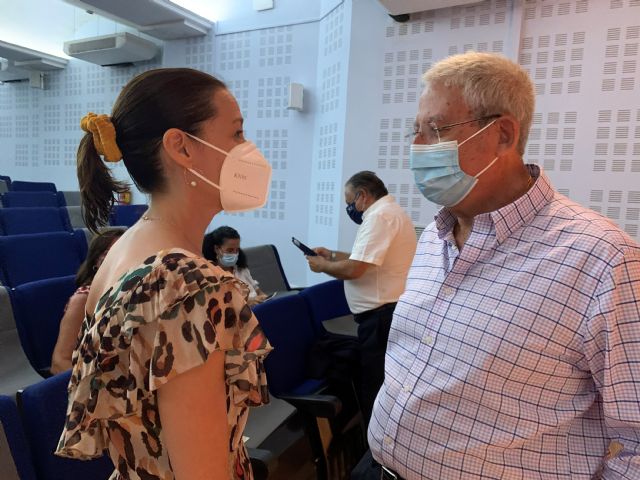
x: 222, y: 247
x: 171, y: 358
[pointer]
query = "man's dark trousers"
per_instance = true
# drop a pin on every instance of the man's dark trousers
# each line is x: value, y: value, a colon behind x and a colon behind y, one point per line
x: 373, y: 333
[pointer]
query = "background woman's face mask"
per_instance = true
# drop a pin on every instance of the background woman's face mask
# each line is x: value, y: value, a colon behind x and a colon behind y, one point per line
x: 228, y: 259
x: 245, y: 177
x: 437, y: 172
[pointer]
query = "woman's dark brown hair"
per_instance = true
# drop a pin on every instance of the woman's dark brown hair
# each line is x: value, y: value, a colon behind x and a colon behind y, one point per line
x: 216, y: 239
x: 98, y: 246
x: 147, y: 107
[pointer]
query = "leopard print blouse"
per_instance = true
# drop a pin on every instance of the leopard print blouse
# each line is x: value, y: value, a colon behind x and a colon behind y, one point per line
x: 159, y: 320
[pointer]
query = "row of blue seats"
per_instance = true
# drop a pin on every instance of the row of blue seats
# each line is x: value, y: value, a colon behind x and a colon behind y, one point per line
x: 23, y: 186
x: 39, y: 199
x: 23, y: 220
x: 33, y: 199
x: 30, y: 257
x: 20, y: 220
x: 38, y: 307
x: 53, y: 197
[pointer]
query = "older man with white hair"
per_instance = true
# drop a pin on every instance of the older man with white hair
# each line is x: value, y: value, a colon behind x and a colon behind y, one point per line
x: 514, y: 352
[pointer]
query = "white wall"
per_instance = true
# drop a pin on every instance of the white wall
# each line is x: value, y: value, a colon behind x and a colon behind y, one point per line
x: 361, y: 74
x: 583, y: 55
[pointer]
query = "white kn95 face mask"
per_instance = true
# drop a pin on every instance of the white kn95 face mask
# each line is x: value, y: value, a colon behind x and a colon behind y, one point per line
x: 245, y: 177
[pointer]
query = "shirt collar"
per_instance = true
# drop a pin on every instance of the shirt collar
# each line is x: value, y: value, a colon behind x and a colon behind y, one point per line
x: 510, y: 217
x: 377, y: 205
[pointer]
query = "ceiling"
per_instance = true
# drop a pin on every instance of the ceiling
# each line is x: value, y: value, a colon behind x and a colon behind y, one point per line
x: 161, y: 19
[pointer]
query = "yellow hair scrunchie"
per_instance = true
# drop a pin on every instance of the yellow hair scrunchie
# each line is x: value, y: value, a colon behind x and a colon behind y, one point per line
x: 104, y: 135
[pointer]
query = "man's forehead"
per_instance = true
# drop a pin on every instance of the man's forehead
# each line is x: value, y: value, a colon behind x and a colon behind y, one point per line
x: 437, y: 103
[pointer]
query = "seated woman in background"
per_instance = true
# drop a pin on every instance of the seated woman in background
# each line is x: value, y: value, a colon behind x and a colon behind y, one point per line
x: 74, y: 311
x: 222, y: 247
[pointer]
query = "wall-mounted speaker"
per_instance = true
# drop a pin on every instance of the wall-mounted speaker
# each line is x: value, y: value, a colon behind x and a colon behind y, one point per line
x: 296, y: 92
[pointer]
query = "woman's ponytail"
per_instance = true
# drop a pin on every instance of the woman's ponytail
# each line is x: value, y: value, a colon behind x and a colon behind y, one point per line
x: 98, y: 188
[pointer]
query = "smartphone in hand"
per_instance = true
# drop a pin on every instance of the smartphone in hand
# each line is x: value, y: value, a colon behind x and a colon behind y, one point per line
x: 306, y: 250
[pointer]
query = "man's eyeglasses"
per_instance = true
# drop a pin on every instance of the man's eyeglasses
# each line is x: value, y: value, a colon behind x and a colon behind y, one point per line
x: 433, y: 130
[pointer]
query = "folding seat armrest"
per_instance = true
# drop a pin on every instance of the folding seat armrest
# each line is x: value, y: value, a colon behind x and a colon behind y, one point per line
x: 323, y: 406
x: 263, y: 462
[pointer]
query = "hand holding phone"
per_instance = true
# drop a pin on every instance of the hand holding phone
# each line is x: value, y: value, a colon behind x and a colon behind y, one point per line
x: 306, y: 250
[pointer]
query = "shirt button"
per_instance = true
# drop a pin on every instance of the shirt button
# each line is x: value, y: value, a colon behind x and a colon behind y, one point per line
x: 447, y: 291
x: 406, y: 388
x: 387, y: 440
x: 427, y: 339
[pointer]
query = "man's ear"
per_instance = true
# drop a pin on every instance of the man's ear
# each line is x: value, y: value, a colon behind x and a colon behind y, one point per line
x: 509, y: 133
x: 363, y: 196
x: 175, y: 144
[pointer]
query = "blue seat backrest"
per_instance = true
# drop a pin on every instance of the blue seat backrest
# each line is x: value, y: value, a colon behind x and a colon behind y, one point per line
x: 33, y: 199
x: 16, y: 439
x: 287, y: 325
x: 43, y: 409
x: 20, y: 220
x: 326, y: 301
x: 38, y: 308
x: 126, y: 215
x: 20, y: 186
x: 30, y: 257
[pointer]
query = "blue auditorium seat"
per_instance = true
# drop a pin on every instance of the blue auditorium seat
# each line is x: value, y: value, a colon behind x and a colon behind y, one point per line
x: 326, y: 301
x: 16, y: 441
x: 126, y: 215
x: 43, y: 409
x: 30, y: 257
x: 21, y: 186
x: 33, y: 199
x: 38, y: 308
x: 329, y: 410
x: 20, y: 220
x: 287, y: 325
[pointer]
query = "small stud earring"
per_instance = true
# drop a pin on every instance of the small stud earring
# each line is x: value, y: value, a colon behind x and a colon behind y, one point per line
x: 193, y: 183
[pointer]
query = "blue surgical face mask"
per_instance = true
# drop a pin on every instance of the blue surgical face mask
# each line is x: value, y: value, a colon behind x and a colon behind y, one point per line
x: 437, y: 172
x: 228, y: 259
x: 353, y: 213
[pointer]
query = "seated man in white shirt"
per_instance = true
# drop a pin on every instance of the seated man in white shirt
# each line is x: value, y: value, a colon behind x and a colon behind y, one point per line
x: 374, y: 272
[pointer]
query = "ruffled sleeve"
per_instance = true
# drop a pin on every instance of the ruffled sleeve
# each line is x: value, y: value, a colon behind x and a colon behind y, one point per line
x: 157, y: 324
x: 210, y: 316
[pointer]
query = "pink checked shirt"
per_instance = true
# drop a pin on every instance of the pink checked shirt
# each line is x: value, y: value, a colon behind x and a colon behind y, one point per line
x: 519, y: 356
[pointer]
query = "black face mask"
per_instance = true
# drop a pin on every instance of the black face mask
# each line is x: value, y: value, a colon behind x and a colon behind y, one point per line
x: 353, y: 213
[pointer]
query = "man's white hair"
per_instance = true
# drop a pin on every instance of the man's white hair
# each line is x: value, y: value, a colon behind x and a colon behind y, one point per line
x: 490, y: 84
